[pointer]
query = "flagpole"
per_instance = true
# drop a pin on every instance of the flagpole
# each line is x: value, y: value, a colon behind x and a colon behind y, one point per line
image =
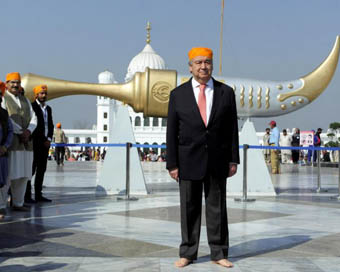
x: 221, y: 37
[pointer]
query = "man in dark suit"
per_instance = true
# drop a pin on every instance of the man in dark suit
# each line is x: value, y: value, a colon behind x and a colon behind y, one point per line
x: 202, y: 151
x: 42, y: 137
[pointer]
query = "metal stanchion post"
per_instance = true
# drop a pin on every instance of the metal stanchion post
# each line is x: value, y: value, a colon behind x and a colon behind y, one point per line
x: 319, y: 190
x: 245, y: 189
x: 127, y: 190
x: 338, y: 196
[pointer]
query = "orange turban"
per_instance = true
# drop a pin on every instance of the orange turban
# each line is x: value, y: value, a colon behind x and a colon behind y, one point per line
x: 58, y: 125
x: 13, y: 76
x: 200, y: 51
x: 40, y: 88
x: 2, y: 88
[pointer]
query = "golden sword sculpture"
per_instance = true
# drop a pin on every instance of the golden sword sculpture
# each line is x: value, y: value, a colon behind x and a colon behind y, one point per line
x: 149, y: 92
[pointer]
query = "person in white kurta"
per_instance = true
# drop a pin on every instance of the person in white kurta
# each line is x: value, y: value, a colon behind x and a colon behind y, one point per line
x: 265, y: 139
x: 21, y: 154
x: 286, y: 140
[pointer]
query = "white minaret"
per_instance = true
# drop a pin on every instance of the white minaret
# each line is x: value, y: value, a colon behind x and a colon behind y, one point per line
x: 105, y: 109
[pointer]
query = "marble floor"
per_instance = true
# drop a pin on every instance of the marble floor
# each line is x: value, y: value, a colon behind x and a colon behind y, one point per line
x: 298, y: 230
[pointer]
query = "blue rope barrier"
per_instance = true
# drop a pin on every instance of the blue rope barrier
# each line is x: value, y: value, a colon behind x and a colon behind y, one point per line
x: 164, y: 146
x: 87, y: 145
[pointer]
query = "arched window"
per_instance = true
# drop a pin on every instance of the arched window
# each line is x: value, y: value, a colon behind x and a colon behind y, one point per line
x: 155, y: 149
x: 146, y: 149
x: 146, y: 121
x: 137, y: 121
x: 105, y: 139
x: 77, y: 140
x: 163, y: 149
x: 164, y: 122
x: 105, y: 127
x: 155, y: 122
x: 88, y: 140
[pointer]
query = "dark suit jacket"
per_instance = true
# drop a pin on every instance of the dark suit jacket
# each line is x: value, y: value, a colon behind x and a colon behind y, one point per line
x: 39, y: 133
x: 195, y: 148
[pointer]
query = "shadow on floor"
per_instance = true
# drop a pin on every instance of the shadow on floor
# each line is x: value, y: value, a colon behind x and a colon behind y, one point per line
x: 262, y: 246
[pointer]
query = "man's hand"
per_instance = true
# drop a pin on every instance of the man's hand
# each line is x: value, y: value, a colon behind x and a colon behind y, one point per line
x: 47, y: 144
x: 174, y: 173
x: 25, y: 136
x: 232, y: 170
x: 3, y: 150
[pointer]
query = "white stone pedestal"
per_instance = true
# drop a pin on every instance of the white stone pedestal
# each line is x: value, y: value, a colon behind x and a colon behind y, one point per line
x: 112, y: 179
x: 259, y: 179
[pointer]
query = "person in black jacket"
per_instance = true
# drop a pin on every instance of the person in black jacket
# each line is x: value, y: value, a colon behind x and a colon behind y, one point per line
x: 296, y: 143
x: 6, y: 137
x: 202, y: 151
x: 42, y: 137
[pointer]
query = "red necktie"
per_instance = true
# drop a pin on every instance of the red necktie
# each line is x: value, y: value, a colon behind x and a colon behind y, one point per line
x: 202, y: 103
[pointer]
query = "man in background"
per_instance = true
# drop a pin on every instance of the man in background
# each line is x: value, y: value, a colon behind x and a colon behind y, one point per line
x: 6, y: 136
x: 24, y: 123
x: 42, y: 137
x: 265, y: 139
x: 285, y: 140
x: 59, y: 138
x: 274, y: 140
x: 296, y: 143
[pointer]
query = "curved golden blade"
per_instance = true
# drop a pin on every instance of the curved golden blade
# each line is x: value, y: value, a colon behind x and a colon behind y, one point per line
x: 316, y: 82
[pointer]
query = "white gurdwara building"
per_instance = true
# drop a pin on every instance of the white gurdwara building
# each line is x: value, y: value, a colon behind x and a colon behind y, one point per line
x: 150, y: 130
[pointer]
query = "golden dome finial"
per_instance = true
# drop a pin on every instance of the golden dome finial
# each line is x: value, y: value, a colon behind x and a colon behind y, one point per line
x: 148, y: 28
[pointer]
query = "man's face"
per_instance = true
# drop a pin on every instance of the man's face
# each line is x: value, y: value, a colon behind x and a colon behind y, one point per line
x: 42, y: 96
x: 267, y: 131
x: 13, y: 86
x: 285, y: 133
x: 201, y: 68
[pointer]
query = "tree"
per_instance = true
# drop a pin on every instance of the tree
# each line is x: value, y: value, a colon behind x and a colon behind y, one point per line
x: 334, y: 125
x: 333, y: 141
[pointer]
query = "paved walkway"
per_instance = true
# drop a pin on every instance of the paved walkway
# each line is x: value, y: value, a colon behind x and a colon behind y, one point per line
x: 298, y: 230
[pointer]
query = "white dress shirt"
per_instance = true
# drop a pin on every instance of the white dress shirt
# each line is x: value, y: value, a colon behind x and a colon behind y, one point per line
x: 209, y: 92
x: 45, y: 114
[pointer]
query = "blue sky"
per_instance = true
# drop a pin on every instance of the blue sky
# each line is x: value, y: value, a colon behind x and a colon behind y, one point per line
x: 264, y: 39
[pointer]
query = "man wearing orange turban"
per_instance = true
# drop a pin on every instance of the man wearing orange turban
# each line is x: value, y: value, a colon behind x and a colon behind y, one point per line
x: 42, y: 137
x: 202, y: 151
x: 13, y: 76
x: 24, y: 123
x: 59, y: 138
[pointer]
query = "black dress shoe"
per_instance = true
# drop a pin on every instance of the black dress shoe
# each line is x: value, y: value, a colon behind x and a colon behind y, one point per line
x: 20, y: 209
x: 42, y: 199
x: 30, y: 201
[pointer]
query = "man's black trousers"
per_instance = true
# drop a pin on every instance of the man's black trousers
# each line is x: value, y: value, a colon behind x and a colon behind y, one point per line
x: 215, y: 212
x: 40, y: 155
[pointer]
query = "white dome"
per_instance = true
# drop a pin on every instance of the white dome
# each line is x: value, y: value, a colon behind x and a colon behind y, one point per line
x: 147, y: 58
x: 106, y: 77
